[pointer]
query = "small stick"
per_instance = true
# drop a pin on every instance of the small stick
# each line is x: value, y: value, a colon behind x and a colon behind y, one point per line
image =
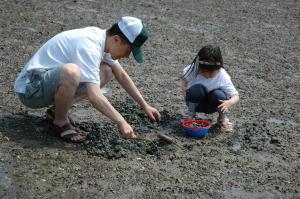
x: 165, y: 138
x: 168, y: 140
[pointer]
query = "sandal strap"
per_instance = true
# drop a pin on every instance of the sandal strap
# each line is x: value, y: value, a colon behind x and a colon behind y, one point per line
x: 59, y: 130
x: 67, y: 129
x: 50, y: 115
x: 67, y: 132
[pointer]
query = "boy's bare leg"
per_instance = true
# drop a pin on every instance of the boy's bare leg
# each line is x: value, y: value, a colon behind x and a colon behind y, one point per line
x: 105, y: 76
x: 69, y: 81
x: 66, y: 95
x: 61, y: 99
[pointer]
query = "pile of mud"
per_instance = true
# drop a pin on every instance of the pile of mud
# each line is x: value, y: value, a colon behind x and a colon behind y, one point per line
x: 105, y: 140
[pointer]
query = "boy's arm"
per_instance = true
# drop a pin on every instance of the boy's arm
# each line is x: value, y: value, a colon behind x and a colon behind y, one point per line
x: 126, y: 82
x: 99, y: 101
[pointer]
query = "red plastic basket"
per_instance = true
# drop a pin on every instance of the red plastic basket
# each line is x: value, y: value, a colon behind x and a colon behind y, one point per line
x: 189, y: 124
x: 199, y: 132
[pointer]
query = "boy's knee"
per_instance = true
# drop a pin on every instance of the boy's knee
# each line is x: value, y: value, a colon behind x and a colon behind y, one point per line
x: 70, y: 73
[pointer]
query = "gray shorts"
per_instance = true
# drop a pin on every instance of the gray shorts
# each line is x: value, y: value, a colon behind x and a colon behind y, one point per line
x: 41, y: 89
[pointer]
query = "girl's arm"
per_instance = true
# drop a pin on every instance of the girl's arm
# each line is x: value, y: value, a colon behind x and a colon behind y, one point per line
x: 184, y: 84
x: 226, y: 104
x: 234, y: 99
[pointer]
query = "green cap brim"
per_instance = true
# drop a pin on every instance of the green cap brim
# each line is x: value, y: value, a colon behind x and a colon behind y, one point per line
x: 137, y: 44
x: 137, y: 54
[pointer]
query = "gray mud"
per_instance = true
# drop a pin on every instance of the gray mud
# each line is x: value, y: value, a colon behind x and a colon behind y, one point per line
x: 260, y: 45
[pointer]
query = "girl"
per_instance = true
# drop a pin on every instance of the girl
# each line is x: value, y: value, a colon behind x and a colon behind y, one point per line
x: 207, y: 87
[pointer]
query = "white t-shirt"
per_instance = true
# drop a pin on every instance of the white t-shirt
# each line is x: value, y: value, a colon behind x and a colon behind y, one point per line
x: 220, y: 81
x: 83, y: 47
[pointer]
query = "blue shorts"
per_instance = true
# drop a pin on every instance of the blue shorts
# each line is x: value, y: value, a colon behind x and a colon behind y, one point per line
x: 199, y: 100
x: 42, y: 86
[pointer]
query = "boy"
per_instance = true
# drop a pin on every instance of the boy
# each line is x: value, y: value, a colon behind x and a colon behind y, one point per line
x: 74, y: 64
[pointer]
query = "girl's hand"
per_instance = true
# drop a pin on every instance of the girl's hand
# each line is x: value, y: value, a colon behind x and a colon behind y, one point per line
x: 224, y: 106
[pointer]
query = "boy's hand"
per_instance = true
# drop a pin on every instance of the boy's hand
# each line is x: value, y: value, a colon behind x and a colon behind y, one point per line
x: 126, y: 130
x: 224, y: 106
x: 152, y: 113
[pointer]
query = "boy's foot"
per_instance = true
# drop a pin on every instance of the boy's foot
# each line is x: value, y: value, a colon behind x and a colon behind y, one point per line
x: 68, y: 133
x: 50, y: 115
x: 225, y: 124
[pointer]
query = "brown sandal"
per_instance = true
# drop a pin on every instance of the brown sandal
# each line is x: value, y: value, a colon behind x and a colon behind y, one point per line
x: 50, y: 115
x: 67, y: 132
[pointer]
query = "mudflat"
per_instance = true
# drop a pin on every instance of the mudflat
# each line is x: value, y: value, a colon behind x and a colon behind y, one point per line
x: 260, y: 45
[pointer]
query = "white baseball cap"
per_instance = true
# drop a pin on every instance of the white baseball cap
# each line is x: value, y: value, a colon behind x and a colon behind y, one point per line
x: 136, y: 33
